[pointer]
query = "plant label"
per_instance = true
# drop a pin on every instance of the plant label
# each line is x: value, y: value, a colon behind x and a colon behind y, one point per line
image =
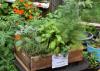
x: 59, y: 61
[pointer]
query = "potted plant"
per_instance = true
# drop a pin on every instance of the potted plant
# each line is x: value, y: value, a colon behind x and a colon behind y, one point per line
x: 93, y: 64
x: 93, y: 44
x: 36, y: 46
x: 68, y: 23
x: 94, y: 48
x: 54, y: 35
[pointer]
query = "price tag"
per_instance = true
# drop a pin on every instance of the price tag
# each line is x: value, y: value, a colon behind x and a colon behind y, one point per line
x: 59, y: 61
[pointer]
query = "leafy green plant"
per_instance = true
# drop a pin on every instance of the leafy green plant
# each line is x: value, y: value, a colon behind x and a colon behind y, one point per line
x: 29, y: 42
x: 91, y: 14
x: 85, y: 3
x: 7, y: 30
x: 92, y: 59
x: 68, y: 23
x: 50, y: 33
x: 5, y: 8
x: 44, y: 39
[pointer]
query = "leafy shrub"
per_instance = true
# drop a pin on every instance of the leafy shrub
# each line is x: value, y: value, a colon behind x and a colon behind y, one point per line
x: 7, y: 30
x: 68, y: 23
x: 4, y: 7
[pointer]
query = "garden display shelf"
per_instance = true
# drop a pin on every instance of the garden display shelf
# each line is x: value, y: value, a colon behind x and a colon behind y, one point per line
x: 36, y: 63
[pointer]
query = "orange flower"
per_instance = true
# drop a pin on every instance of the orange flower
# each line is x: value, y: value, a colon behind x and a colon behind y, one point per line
x: 30, y: 17
x: 26, y: 5
x: 21, y: 0
x: 16, y: 10
x: 31, y: 5
x: 17, y: 37
x: 21, y: 12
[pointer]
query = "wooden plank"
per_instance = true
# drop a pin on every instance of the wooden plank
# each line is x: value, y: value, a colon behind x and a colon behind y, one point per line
x: 94, y: 24
x: 22, y: 64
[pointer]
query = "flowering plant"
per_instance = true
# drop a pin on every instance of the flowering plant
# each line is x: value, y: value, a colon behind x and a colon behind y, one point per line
x: 26, y: 9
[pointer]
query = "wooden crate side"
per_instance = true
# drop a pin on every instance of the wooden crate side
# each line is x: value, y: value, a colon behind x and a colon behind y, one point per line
x: 39, y: 62
x: 24, y: 58
x: 75, y: 56
x: 21, y: 63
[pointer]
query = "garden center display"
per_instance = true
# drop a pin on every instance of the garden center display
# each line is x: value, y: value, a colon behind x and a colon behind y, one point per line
x: 49, y: 34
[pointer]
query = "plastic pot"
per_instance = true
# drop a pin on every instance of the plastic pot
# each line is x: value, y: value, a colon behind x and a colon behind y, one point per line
x: 95, y: 51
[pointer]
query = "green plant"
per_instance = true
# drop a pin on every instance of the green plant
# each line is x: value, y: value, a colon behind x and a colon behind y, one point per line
x: 92, y: 59
x: 29, y: 42
x: 4, y: 7
x: 7, y: 30
x: 50, y: 33
x: 44, y: 39
x: 68, y: 23
x: 85, y: 3
x: 91, y: 14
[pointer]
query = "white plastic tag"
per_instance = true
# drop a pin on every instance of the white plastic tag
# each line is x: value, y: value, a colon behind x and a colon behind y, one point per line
x: 59, y: 61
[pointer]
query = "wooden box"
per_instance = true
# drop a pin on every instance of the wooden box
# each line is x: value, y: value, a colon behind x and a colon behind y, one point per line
x: 39, y: 62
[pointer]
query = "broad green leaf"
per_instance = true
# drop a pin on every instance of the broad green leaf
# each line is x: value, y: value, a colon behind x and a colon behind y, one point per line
x: 52, y: 45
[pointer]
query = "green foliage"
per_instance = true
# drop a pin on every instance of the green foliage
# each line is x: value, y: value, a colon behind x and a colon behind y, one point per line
x: 50, y: 33
x: 30, y: 42
x: 5, y: 8
x: 7, y: 30
x: 41, y: 40
x: 68, y: 22
x: 92, y: 59
x: 91, y: 14
x: 85, y: 3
